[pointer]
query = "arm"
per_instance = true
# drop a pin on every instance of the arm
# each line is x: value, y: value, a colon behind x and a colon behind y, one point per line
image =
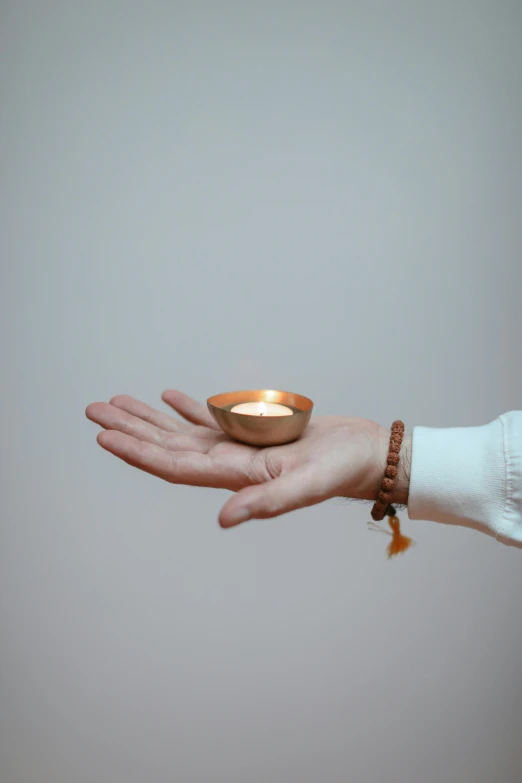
x: 460, y: 476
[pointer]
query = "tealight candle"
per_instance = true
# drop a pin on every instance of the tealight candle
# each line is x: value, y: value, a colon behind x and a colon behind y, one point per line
x: 262, y: 409
x: 264, y: 418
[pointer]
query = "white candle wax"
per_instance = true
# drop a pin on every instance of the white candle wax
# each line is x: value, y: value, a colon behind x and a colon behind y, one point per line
x: 262, y: 409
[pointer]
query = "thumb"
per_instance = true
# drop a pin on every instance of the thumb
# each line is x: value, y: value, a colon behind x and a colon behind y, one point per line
x: 294, y: 490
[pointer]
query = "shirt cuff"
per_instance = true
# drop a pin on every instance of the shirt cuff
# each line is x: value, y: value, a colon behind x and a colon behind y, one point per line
x: 459, y: 477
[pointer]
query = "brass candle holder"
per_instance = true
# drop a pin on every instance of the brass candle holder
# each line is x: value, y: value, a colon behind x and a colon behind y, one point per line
x: 261, y: 430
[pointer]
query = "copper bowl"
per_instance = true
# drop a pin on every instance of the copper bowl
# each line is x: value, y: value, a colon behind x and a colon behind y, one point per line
x: 261, y: 430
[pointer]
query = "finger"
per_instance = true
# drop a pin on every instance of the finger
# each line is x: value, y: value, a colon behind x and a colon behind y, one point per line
x: 295, y: 490
x: 145, y: 412
x: 111, y: 418
x: 190, y: 409
x: 176, y: 467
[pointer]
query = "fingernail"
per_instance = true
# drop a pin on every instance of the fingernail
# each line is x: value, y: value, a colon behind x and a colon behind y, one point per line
x: 237, y: 516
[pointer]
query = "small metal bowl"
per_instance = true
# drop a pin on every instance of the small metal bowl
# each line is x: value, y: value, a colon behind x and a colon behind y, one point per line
x: 261, y: 430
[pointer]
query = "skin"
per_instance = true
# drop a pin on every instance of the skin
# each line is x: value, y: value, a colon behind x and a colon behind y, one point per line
x: 337, y: 456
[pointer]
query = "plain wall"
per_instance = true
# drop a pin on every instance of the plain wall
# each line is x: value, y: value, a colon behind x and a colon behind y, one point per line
x: 322, y: 197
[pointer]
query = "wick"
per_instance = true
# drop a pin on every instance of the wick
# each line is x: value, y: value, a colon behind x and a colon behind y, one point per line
x: 261, y: 414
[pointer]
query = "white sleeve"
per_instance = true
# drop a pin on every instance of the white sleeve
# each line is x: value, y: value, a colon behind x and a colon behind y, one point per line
x: 470, y: 476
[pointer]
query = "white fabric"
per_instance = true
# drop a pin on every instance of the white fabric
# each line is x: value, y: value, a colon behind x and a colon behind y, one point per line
x: 470, y: 476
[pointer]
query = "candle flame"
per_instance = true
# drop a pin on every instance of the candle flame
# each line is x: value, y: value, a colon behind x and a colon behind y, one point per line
x: 262, y: 408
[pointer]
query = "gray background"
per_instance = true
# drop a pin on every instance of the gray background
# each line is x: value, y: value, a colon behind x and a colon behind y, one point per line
x: 324, y: 197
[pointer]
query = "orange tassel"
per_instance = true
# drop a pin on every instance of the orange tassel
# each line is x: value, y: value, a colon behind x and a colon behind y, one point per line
x: 398, y: 543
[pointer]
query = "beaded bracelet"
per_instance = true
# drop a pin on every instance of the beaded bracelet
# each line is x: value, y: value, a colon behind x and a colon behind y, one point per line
x: 382, y: 506
x: 390, y: 474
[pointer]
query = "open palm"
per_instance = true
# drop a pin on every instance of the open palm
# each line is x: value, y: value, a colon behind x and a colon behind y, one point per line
x: 335, y: 456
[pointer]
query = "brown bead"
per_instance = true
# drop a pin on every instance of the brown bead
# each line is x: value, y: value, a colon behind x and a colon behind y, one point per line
x: 391, y: 471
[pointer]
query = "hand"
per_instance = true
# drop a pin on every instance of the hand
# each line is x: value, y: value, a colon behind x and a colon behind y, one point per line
x: 336, y: 456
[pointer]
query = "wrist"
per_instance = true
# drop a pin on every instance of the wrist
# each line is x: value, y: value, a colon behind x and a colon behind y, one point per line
x: 401, y: 489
